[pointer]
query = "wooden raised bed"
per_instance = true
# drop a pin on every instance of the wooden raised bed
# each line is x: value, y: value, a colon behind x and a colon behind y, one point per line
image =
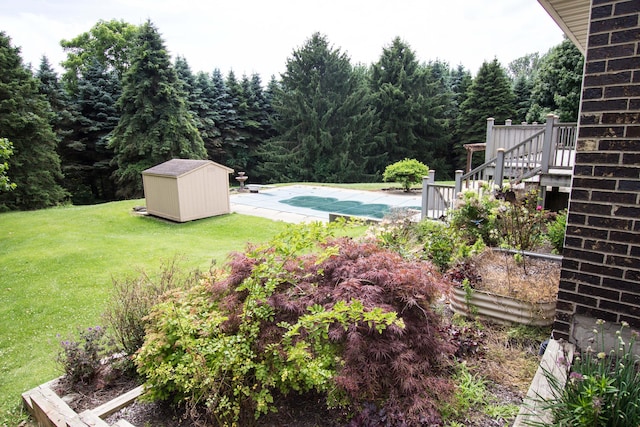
x: 50, y: 410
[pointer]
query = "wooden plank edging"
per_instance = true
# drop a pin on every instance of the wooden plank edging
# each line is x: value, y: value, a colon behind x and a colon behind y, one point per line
x: 112, y: 406
x: 557, y: 360
x: 50, y: 410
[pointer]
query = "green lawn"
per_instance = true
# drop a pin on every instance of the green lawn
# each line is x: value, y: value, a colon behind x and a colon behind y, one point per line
x: 56, y: 270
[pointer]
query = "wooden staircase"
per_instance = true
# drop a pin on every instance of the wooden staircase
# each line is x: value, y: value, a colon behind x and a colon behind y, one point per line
x: 538, y: 154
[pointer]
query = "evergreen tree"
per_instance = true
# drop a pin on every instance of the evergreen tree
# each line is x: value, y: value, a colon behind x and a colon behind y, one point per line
x: 85, y: 152
x: 25, y: 120
x: 52, y: 89
x: 411, y: 104
x: 254, y: 127
x: 490, y: 95
x: 225, y: 118
x: 523, y: 72
x: 208, y: 117
x: 235, y: 144
x: 558, y: 83
x: 522, y: 97
x: 461, y: 81
x: 440, y: 113
x: 323, y: 119
x: 155, y: 124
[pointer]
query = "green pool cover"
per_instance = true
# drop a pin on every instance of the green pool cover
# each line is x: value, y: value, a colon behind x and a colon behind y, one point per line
x: 344, y: 207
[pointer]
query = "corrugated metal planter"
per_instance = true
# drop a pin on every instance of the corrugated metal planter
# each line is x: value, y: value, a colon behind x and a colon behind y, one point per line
x: 502, y: 309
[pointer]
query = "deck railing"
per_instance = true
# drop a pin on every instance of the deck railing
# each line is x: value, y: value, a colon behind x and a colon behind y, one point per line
x: 545, y: 149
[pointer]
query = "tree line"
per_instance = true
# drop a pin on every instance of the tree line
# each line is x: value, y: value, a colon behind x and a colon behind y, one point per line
x: 122, y: 105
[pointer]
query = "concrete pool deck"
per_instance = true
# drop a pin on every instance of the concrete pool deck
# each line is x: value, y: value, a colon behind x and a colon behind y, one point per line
x: 268, y: 201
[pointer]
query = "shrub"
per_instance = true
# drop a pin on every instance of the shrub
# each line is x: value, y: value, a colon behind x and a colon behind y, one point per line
x: 80, y: 359
x: 521, y: 221
x: 475, y: 216
x: 306, y: 312
x: 132, y: 300
x: 407, y: 172
x: 556, y: 230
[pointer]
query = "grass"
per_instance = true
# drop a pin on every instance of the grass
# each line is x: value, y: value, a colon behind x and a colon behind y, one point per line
x: 371, y: 186
x: 56, y: 273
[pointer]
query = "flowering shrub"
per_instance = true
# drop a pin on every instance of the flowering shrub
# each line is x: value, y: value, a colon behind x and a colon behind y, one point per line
x: 501, y: 218
x: 603, y: 389
x: 81, y: 359
x: 475, y: 216
x: 521, y: 221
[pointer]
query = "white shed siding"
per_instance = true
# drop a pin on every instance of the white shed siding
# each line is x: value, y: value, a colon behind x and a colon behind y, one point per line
x: 162, y: 196
x: 184, y: 190
x: 204, y: 192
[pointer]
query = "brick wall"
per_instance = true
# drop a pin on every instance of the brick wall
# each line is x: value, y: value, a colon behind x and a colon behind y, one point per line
x: 601, y: 267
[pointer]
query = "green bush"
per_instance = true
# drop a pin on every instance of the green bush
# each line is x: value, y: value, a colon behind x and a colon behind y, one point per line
x: 407, y: 172
x: 305, y: 312
x: 475, y: 217
x: 556, y: 230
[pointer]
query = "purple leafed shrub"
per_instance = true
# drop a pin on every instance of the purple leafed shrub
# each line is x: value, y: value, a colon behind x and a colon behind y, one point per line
x: 401, y: 371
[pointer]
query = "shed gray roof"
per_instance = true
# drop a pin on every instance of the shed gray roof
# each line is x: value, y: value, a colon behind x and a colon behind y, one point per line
x: 179, y: 167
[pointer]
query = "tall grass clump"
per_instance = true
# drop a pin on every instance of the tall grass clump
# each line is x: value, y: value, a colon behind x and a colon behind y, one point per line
x: 603, y: 388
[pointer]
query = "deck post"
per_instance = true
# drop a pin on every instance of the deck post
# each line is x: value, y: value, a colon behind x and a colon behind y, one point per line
x: 490, y: 148
x: 458, y: 184
x: 547, y: 145
x: 499, y: 174
x: 426, y: 192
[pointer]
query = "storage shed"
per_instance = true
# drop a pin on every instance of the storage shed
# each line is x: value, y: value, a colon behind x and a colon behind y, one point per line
x: 183, y: 190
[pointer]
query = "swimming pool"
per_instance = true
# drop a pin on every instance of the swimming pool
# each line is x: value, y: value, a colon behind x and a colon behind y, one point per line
x: 319, y: 201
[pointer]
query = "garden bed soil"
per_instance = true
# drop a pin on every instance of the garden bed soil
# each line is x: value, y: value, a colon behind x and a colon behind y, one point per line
x: 533, y: 279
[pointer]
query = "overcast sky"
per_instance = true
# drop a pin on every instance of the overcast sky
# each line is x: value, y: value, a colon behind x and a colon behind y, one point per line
x: 258, y: 36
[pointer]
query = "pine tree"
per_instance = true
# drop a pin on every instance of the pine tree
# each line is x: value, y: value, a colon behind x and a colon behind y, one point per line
x: 208, y: 116
x: 323, y: 119
x: 523, y: 72
x: 235, y: 144
x: 225, y: 118
x: 25, y: 120
x: 522, y: 94
x: 85, y: 152
x: 155, y: 124
x: 438, y: 114
x: 490, y: 95
x: 411, y: 103
x: 254, y: 127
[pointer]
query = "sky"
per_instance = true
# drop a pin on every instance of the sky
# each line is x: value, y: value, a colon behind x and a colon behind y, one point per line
x: 259, y: 36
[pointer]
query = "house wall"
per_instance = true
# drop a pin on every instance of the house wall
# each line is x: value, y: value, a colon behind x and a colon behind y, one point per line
x: 161, y: 196
x: 601, y: 268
